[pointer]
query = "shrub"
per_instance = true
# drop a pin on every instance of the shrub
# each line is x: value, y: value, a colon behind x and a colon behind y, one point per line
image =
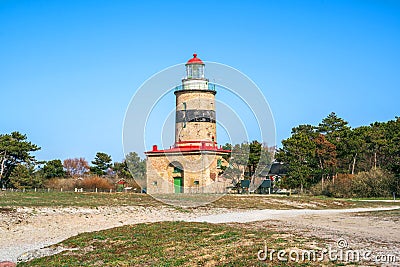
x: 374, y: 183
x: 88, y: 183
x: 67, y: 184
x: 94, y: 182
x: 341, y: 185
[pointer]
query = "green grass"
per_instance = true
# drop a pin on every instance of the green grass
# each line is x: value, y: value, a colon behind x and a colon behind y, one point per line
x: 70, y: 199
x: 172, y: 244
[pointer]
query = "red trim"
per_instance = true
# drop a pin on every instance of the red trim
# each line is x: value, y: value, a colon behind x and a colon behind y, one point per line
x: 201, y: 145
x: 189, y: 148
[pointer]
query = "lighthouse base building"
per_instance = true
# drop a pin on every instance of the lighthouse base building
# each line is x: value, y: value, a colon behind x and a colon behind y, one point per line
x: 188, y: 169
x: 194, y: 163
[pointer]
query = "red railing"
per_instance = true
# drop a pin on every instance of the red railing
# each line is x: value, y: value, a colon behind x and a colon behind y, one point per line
x: 191, y: 146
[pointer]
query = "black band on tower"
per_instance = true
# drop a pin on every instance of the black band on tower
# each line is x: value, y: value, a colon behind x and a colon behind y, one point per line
x: 195, y: 115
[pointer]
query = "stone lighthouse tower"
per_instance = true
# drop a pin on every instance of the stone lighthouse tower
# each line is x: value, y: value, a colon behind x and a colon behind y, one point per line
x: 195, y: 107
x: 195, y: 162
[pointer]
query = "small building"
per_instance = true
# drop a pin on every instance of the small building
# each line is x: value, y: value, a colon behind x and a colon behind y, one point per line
x: 120, y: 185
x: 277, y: 171
x: 194, y: 163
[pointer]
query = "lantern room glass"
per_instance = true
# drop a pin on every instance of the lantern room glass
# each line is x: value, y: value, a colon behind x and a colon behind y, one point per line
x: 195, y: 71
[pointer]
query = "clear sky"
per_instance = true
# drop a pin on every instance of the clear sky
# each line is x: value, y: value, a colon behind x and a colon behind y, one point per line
x: 68, y: 69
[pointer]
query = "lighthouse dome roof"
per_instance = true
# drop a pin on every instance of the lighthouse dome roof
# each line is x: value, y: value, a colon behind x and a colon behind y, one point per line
x: 195, y: 60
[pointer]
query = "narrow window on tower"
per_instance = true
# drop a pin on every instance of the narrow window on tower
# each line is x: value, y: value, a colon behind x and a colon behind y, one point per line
x: 184, y: 108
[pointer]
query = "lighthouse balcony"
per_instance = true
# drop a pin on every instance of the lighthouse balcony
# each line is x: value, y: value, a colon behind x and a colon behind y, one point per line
x: 196, y: 87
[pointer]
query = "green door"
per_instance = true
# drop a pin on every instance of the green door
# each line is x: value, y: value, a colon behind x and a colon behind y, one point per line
x: 178, y: 185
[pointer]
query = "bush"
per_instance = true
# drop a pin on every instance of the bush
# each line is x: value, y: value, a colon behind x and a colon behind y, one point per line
x: 88, y: 183
x: 340, y: 186
x: 94, y: 182
x: 374, y: 183
x: 67, y: 184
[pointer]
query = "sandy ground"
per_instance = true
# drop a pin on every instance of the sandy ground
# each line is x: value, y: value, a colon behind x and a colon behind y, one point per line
x: 358, y: 229
x: 261, y: 215
x: 361, y: 232
x: 26, y: 229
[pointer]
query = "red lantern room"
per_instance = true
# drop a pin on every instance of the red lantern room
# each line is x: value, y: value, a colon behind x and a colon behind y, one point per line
x: 195, y: 68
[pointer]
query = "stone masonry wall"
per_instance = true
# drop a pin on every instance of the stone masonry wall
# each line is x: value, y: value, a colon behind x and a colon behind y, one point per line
x: 196, y: 167
x: 195, y: 131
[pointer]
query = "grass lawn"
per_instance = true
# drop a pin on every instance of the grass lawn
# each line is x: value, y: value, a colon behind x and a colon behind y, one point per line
x: 176, y: 244
x: 71, y: 199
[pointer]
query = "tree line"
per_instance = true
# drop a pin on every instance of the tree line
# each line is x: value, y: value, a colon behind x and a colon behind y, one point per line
x: 317, y: 156
x: 20, y: 169
x: 330, y: 158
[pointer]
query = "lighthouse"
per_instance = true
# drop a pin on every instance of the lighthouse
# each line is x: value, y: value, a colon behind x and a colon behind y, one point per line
x: 195, y: 162
x: 195, y: 107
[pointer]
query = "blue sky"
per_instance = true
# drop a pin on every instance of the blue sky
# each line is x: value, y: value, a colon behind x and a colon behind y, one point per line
x: 68, y: 69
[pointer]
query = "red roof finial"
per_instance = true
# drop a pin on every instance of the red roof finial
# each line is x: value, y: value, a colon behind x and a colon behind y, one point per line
x: 195, y: 60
